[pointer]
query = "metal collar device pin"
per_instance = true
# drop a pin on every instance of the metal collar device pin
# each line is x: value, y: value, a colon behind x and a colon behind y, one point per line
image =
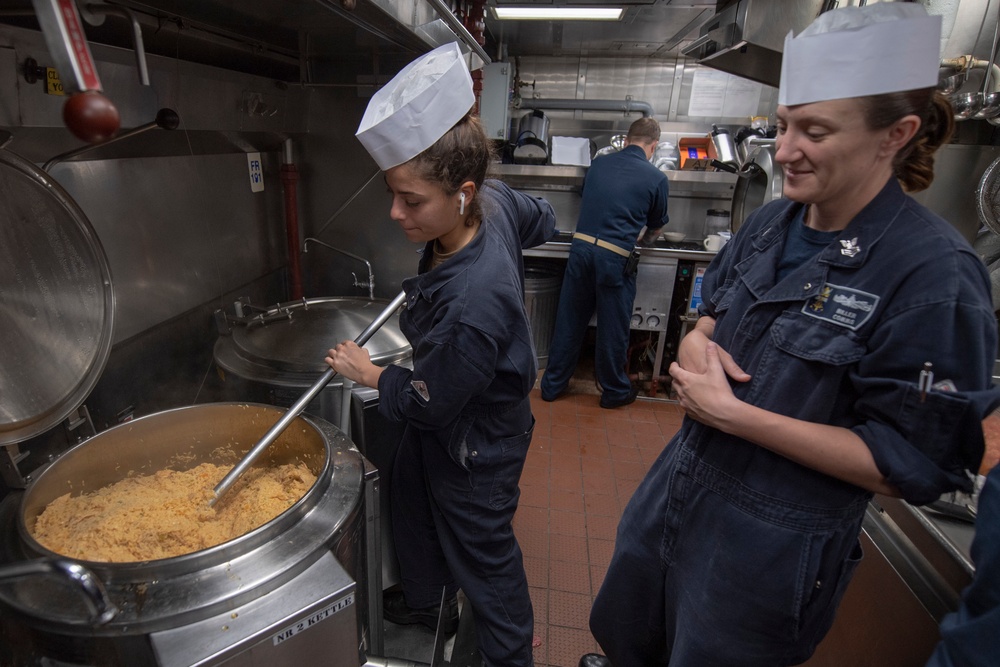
x: 926, y: 380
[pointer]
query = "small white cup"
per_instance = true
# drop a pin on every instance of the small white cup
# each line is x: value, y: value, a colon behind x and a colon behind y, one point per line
x: 713, y: 243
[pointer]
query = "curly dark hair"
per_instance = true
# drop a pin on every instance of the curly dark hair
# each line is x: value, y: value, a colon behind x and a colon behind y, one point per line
x: 463, y: 154
x: 914, y: 163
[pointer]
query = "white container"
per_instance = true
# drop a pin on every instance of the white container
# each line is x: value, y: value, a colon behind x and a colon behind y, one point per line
x: 574, y: 151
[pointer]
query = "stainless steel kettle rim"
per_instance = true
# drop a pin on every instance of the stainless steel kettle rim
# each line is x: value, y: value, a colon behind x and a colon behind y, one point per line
x: 160, y: 594
x: 290, y: 350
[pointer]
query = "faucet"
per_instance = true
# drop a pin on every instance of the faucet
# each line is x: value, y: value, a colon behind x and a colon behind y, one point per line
x: 370, y: 283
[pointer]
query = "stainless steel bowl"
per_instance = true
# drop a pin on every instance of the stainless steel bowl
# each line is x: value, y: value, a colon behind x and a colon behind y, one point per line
x: 990, y: 107
x: 953, y: 83
x: 966, y: 104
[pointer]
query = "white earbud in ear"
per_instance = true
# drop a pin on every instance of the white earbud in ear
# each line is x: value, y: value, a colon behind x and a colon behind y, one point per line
x: 461, y: 206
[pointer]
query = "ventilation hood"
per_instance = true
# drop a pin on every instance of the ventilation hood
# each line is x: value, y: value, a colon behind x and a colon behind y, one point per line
x: 327, y: 41
x: 746, y: 37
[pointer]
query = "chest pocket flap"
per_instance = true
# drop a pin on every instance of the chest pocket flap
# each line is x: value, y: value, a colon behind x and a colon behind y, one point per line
x: 814, y: 340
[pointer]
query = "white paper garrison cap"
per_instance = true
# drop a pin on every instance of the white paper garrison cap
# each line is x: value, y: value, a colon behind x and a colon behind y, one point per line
x: 416, y: 108
x: 887, y: 47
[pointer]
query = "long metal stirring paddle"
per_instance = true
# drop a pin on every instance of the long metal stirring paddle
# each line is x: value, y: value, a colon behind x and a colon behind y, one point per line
x: 300, y: 405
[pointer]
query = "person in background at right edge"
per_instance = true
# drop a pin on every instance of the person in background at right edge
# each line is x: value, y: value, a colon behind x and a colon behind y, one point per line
x: 970, y: 637
x: 806, y: 381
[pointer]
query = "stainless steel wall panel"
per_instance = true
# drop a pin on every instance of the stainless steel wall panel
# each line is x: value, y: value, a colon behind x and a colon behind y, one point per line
x: 619, y: 78
x: 335, y: 166
x: 967, y: 26
x: 645, y: 80
x: 177, y: 231
x: 952, y: 195
x: 552, y: 77
x: 205, y: 98
x: 10, y: 112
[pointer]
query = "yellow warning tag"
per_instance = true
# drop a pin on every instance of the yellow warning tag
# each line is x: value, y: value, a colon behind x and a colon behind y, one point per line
x: 53, y: 86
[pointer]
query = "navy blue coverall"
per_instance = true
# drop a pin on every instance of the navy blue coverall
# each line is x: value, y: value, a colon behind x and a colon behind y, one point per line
x: 970, y: 637
x: 468, y: 424
x: 622, y: 193
x: 730, y: 554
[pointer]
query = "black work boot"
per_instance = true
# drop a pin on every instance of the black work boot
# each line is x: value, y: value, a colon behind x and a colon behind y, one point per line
x: 594, y: 660
x: 394, y: 609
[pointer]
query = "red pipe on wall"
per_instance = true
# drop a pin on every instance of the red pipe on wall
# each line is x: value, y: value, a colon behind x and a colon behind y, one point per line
x: 289, y: 183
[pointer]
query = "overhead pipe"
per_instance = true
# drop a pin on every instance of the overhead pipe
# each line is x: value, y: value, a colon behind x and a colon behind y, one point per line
x: 967, y: 63
x: 625, y: 106
x: 289, y: 185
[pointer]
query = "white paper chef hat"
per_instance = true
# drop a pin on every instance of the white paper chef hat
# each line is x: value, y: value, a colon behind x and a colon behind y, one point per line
x: 887, y: 47
x: 422, y: 102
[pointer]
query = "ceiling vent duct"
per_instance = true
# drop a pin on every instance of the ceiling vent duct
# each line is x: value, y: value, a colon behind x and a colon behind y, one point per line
x: 746, y: 37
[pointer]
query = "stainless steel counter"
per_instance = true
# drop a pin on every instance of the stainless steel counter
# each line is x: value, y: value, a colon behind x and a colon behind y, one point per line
x: 916, y: 564
x: 692, y: 193
x: 559, y: 249
x: 660, y: 267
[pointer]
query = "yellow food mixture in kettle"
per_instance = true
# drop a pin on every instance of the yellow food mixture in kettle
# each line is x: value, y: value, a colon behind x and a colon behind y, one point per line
x: 167, y: 513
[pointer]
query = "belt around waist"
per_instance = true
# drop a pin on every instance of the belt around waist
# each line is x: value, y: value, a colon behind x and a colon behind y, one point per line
x: 587, y: 238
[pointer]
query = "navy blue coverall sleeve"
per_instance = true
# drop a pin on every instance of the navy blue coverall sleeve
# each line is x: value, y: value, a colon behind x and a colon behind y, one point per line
x: 970, y: 637
x: 453, y: 365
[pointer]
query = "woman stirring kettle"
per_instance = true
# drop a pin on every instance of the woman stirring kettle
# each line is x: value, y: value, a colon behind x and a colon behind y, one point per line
x: 801, y: 379
x: 454, y: 486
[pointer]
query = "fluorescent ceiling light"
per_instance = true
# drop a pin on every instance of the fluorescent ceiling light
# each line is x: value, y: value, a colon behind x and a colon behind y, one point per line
x: 558, y: 13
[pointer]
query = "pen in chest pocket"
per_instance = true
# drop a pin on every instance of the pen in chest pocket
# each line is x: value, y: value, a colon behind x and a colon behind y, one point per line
x: 926, y: 380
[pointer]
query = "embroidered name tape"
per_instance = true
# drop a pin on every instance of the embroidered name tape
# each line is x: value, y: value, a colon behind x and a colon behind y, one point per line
x: 842, y: 306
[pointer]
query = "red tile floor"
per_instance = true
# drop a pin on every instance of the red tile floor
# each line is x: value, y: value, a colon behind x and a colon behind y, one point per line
x: 584, y: 464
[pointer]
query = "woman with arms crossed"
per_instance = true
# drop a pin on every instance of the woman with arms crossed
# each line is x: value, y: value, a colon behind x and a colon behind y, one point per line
x: 801, y: 379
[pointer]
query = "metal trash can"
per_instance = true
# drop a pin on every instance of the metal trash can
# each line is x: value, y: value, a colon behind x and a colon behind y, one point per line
x: 542, y: 282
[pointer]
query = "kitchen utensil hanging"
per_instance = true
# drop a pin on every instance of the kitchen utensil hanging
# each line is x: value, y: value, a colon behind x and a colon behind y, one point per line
x: 989, y: 103
x: 981, y: 105
x: 988, y: 197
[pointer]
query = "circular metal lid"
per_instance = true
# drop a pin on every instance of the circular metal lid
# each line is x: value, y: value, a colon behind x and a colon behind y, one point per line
x: 294, y: 347
x: 988, y: 197
x: 57, y: 300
